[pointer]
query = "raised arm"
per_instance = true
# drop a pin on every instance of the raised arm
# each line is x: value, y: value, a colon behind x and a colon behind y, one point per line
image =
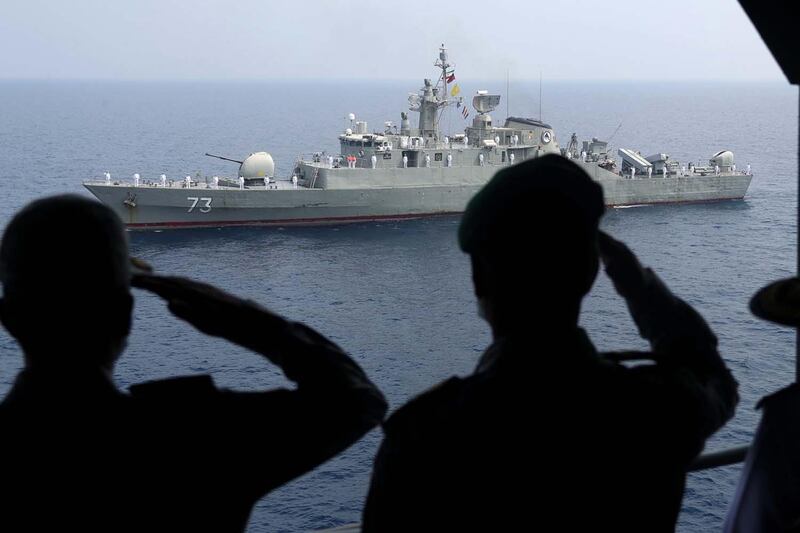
x: 294, y: 430
x: 684, y: 347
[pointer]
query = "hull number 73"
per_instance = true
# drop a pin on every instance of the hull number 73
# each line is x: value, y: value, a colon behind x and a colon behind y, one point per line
x: 205, y: 204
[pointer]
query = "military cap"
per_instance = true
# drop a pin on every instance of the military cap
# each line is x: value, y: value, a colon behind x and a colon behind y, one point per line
x: 778, y: 302
x: 550, y: 190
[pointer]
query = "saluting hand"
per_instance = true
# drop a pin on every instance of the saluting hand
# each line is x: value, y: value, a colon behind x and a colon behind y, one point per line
x: 621, y: 265
x: 209, y: 309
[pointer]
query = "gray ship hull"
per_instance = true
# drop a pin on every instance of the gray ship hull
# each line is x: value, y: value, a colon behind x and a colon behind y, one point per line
x: 373, y: 194
x: 157, y: 209
x: 619, y: 191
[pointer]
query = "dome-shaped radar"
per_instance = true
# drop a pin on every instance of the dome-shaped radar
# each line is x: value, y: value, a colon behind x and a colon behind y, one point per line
x: 723, y: 159
x: 257, y: 165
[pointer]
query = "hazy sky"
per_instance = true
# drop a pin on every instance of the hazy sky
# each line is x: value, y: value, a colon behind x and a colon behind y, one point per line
x: 251, y: 39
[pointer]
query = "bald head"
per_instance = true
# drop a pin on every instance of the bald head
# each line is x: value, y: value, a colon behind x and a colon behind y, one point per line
x: 65, y: 271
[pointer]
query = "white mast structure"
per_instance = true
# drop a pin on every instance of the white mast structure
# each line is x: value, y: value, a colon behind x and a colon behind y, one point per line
x: 444, y: 65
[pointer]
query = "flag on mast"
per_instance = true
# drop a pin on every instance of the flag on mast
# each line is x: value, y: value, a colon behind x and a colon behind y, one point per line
x: 465, y: 112
x: 455, y: 90
x: 451, y: 76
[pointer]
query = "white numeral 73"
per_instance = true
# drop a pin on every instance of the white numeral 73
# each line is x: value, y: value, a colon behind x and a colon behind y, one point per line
x: 204, y: 208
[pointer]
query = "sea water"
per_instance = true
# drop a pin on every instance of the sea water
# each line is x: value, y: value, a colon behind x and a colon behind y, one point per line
x: 397, y: 295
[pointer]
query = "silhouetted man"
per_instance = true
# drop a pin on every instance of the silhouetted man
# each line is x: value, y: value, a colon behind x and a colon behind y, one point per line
x: 547, y: 434
x: 767, y: 498
x: 78, y: 454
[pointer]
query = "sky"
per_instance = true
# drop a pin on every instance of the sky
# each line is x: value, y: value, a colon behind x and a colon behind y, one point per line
x: 380, y: 39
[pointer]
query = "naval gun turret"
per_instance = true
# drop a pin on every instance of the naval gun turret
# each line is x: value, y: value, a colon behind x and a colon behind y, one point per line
x: 722, y: 159
x: 255, y: 167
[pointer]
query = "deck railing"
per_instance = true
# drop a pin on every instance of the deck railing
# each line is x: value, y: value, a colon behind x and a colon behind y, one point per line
x: 704, y: 462
x: 721, y: 458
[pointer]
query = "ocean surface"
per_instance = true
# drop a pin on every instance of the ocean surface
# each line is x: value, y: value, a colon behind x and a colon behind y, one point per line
x: 398, y: 296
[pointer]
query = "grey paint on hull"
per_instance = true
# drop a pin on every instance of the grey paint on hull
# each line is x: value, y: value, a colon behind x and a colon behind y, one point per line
x: 673, y: 189
x: 414, y: 192
x: 170, y: 208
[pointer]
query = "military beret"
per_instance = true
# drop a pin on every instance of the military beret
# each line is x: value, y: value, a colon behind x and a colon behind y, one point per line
x: 778, y: 302
x: 549, y: 190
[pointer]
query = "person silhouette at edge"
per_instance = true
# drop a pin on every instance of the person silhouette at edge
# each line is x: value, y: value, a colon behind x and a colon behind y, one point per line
x: 547, y: 434
x: 176, y: 454
x: 767, y: 497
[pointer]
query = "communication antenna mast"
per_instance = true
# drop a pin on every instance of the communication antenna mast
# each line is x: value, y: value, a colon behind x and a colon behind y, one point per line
x: 615, y: 132
x: 508, y: 94
x: 540, y: 95
x: 445, y: 101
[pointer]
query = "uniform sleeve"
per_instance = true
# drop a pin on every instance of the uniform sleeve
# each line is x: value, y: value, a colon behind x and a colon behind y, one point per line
x: 689, y: 391
x: 295, y: 430
x: 254, y: 442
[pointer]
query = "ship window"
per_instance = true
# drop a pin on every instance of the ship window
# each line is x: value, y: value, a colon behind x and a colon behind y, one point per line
x: 437, y: 156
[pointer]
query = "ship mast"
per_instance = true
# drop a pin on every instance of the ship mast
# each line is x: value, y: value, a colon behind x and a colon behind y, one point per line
x: 443, y: 64
x: 432, y: 99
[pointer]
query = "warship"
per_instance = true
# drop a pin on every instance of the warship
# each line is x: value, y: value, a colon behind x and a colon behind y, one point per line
x: 408, y: 172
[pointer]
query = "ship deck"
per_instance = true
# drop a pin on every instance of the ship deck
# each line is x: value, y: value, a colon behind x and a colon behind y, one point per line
x: 197, y: 185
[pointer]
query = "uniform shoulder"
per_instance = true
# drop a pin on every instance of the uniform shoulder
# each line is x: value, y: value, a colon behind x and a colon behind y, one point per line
x: 428, y: 408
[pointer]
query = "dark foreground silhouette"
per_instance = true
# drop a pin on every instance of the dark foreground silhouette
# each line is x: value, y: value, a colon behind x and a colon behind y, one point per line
x: 78, y: 454
x: 547, y: 434
x: 767, y: 498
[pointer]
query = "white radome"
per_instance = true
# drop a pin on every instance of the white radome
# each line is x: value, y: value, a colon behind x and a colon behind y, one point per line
x: 723, y: 158
x: 258, y: 165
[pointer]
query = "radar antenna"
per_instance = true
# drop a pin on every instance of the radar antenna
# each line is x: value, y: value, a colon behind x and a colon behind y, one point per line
x: 483, y: 102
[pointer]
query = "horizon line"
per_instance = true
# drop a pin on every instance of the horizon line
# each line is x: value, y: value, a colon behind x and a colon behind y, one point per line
x: 390, y: 80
